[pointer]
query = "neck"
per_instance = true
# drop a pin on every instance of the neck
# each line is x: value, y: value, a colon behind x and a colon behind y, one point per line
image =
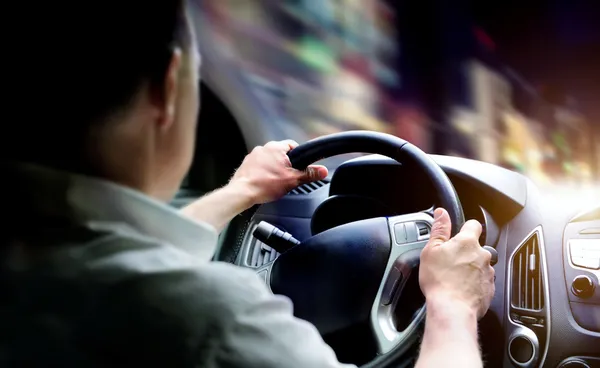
x: 123, y: 154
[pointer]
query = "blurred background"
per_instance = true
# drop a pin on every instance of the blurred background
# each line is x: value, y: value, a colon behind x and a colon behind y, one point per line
x: 514, y: 83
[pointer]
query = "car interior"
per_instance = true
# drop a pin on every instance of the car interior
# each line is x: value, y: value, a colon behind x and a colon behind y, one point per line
x: 346, y: 249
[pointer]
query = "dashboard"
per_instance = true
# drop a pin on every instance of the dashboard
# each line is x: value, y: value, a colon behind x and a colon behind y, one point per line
x: 546, y: 310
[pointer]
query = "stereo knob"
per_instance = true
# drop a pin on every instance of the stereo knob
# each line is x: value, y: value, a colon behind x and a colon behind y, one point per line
x: 583, y: 286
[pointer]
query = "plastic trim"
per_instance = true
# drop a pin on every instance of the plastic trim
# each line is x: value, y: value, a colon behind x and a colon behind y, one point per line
x: 529, y: 335
x: 382, y: 323
x: 543, y: 261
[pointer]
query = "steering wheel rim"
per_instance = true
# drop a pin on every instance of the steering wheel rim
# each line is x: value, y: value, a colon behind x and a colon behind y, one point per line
x: 387, y: 145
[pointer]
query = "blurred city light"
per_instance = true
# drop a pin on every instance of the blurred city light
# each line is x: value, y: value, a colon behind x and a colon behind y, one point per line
x: 328, y: 66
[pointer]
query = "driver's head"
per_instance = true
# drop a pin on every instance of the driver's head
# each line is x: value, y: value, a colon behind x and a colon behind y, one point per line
x: 106, y: 88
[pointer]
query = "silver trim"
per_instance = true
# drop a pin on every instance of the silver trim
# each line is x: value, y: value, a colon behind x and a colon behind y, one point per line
x: 529, y: 335
x: 247, y: 243
x: 537, y: 231
x: 242, y: 259
x: 381, y: 319
x: 267, y: 278
x: 576, y: 359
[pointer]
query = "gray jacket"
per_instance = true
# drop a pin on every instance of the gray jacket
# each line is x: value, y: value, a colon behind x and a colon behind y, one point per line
x: 96, y: 274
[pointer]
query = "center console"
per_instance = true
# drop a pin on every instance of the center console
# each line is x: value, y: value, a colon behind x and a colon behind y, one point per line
x: 581, y: 251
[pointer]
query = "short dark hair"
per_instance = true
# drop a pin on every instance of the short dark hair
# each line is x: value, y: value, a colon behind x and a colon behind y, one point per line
x: 83, y: 64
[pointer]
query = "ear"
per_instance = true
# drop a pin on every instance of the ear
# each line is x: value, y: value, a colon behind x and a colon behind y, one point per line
x: 170, y: 89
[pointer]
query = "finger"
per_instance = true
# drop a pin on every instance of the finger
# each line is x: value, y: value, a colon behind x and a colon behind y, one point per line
x: 472, y: 227
x: 441, y: 229
x: 284, y: 146
x: 486, y: 257
x: 291, y: 144
x: 492, y: 273
x: 312, y: 173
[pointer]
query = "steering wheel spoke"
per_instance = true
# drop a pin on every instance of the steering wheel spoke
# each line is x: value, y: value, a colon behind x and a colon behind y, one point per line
x: 409, y: 233
x: 264, y: 273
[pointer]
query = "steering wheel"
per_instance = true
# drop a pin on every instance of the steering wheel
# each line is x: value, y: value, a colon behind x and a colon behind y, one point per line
x: 357, y: 272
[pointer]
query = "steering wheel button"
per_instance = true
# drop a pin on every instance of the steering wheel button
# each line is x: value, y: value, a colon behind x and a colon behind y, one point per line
x: 412, y: 233
x: 400, y: 233
x: 423, y: 229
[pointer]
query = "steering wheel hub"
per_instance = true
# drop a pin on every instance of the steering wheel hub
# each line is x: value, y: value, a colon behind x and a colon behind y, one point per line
x: 334, y: 276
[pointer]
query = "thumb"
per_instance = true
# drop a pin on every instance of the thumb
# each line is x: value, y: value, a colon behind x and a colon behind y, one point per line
x: 441, y: 229
x: 313, y: 173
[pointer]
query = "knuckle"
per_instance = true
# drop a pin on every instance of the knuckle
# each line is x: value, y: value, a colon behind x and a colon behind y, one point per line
x: 472, y: 239
x: 279, y: 164
x: 274, y: 146
x: 436, y: 229
x: 465, y: 238
x: 474, y: 223
x: 291, y: 142
x: 487, y: 256
x: 292, y: 176
x: 285, y: 161
x: 438, y: 226
x: 460, y: 237
x: 311, y: 173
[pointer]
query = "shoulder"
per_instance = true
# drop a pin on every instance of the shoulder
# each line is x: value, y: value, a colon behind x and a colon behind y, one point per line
x: 203, y: 314
x: 199, y: 290
x: 161, y: 303
x: 150, y: 271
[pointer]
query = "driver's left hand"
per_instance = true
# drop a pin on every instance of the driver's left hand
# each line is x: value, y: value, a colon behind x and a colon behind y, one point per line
x: 267, y: 173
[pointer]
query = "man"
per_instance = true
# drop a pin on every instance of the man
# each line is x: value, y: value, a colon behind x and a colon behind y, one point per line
x: 96, y: 271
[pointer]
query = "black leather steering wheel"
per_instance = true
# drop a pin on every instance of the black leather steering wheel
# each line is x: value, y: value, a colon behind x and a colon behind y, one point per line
x: 359, y: 272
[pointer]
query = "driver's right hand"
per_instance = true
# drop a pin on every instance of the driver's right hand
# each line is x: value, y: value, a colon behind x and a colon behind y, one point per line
x: 457, y: 270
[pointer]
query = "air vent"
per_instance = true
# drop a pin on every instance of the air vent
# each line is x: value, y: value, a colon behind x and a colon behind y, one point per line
x: 260, y: 254
x: 527, y: 276
x: 305, y: 189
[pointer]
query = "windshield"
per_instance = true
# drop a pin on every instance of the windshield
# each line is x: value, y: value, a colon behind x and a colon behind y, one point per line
x: 320, y: 67
x: 324, y: 66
